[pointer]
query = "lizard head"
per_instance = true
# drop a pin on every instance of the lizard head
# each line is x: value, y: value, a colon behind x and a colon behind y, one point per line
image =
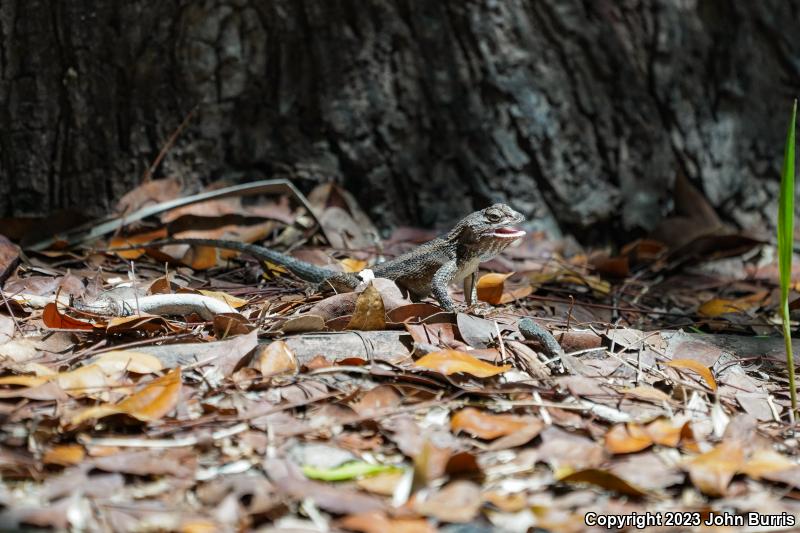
x: 489, y: 230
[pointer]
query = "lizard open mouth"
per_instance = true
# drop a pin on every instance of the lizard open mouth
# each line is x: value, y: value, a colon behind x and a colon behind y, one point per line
x: 508, y: 232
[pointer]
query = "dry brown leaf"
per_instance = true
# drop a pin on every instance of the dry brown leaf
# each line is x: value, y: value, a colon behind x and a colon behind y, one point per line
x: 458, y: 502
x: 765, y: 463
x: 199, y: 525
x: 133, y: 240
x: 646, y: 392
x: 53, y: 318
x: 663, y: 432
x: 89, y: 380
x: 353, y: 265
x: 563, y: 276
x: 233, y: 301
x: 275, y: 359
x: 413, y: 312
x: 369, y: 314
x: 697, y: 368
x: 614, y: 267
x: 201, y: 257
x: 506, y: 502
x: 142, y: 323
x: 490, y: 287
x: 486, y: 425
x: 720, y: 306
x: 377, y: 399
x: 302, y: 324
x: 231, y: 324
x: 378, y: 522
x: 149, y: 191
x: 151, y: 402
x: 627, y: 438
x: 93, y: 379
x: 9, y: 255
x: 25, y: 381
x: 128, y: 360
x: 711, y: 472
x: 64, y: 455
x: 384, y: 483
x: 451, y: 361
x: 604, y: 479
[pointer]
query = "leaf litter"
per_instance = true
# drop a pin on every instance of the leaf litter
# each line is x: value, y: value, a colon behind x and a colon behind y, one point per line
x: 284, y: 408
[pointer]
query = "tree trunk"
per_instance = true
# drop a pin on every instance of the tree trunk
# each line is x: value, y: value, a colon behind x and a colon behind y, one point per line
x: 578, y: 112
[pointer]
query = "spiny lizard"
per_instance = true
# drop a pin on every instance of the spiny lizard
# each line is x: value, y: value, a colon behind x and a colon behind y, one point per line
x: 427, y: 269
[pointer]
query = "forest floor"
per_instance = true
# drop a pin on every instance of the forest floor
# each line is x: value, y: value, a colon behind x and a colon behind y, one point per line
x: 668, y: 407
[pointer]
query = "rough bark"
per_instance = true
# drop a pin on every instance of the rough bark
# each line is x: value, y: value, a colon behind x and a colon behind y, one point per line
x: 579, y: 111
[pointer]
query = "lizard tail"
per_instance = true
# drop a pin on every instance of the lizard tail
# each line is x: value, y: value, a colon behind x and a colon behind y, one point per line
x: 303, y: 270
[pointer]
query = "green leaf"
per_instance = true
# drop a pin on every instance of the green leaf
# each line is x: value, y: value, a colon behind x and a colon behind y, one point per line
x: 786, y: 209
x: 786, y: 245
x: 346, y: 471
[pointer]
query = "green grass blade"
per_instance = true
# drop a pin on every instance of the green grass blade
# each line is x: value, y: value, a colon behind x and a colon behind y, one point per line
x: 785, y: 245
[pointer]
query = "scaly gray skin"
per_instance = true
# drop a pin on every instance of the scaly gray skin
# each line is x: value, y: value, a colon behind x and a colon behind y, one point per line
x: 427, y: 269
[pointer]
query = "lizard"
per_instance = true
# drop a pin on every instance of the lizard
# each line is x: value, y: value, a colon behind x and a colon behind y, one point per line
x: 427, y: 269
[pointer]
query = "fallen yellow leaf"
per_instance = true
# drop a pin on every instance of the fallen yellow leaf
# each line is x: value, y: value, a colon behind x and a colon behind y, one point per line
x: 233, y: 301
x: 720, y: 306
x: 627, y: 438
x: 490, y: 287
x: 451, y: 361
x: 353, y: 265
x: 64, y: 454
x: 487, y: 425
x: 711, y: 472
x: 152, y: 402
x: 696, y: 367
x: 132, y: 361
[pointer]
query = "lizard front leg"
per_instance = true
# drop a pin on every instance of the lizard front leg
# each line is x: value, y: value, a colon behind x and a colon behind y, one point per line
x: 439, y: 282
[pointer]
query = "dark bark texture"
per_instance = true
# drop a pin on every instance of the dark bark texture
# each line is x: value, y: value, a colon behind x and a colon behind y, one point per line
x: 578, y: 112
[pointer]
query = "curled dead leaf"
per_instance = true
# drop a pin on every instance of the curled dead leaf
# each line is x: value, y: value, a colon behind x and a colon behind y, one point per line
x: 457, y: 502
x: 128, y: 360
x: 133, y: 240
x: 627, y: 438
x: 765, y: 463
x: 486, y: 425
x: 53, y: 318
x: 275, y: 359
x: 630, y: 438
x: 233, y: 301
x: 490, y: 287
x: 378, y: 522
x: 452, y: 361
x: 353, y: 265
x: 370, y: 314
x: 64, y: 455
x: 604, y: 479
x: 721, y: 306
x: 711, y: 472
x: 151, y: 402
x: 696, y: 367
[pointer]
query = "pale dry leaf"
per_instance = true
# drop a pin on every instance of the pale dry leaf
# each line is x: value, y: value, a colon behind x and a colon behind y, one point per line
x: 276, y: 359
x: 369, y: 314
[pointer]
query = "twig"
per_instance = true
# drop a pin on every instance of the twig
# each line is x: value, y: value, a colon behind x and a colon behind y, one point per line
x: 10, y: 312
